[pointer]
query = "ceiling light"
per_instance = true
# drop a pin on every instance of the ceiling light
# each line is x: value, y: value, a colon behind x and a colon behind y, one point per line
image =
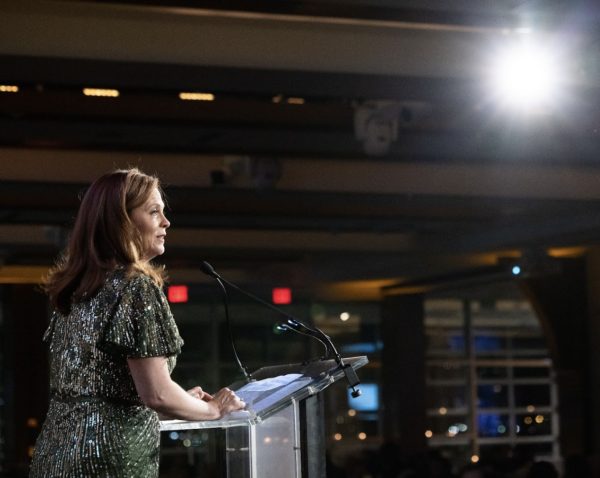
x: 9, y: 89
x: 196, y: 96
x: 525, y: 76
x: 104, y: 92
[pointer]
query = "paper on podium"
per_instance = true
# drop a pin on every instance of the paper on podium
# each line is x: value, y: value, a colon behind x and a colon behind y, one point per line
x: 264, y: 393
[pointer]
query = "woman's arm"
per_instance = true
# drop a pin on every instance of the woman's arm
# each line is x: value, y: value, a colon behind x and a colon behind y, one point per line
x: 156, y: 389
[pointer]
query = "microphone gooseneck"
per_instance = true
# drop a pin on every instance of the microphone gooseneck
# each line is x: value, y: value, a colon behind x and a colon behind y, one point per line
x: 290, y: 324
x: 208, y: 269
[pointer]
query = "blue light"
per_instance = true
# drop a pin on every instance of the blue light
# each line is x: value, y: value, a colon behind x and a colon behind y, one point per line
x: 363, y: 347
x: 368, y: 401
x: 491, y: 425
x: 516, y: 270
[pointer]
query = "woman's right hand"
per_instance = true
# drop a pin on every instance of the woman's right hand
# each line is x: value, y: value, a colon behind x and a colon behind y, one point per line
x: 226, y: 401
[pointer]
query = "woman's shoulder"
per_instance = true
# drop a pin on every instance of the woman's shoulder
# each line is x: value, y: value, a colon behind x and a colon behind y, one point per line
x: 130, y: 280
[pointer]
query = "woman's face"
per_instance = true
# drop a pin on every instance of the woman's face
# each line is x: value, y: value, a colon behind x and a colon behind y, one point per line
x: 152, y: 224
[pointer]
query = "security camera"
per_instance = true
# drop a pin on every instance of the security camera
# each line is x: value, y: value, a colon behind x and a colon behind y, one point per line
x: 376, y: 125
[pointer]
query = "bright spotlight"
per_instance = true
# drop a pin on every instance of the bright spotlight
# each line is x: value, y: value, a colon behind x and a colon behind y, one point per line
x: 525, y: 77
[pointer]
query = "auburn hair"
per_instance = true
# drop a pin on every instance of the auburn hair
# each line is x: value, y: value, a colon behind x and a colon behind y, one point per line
x: 104, y: 238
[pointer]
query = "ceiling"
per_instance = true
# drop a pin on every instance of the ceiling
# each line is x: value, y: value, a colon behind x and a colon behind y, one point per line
x: 279, y: 179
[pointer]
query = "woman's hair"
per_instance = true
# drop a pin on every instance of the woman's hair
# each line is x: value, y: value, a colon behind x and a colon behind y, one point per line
x: 103, y: 238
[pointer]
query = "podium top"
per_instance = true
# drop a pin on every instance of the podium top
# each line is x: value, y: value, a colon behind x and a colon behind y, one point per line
x: 273, y: 389
x: 314, y: 369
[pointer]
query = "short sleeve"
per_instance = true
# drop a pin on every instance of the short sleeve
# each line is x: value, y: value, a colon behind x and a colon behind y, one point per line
x: 142, y: 324
x: 47, y: 337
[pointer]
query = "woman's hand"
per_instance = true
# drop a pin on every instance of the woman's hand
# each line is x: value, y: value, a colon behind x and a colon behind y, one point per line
x: 200, y: 394
x: 158, y: 392
x: 226, y: 401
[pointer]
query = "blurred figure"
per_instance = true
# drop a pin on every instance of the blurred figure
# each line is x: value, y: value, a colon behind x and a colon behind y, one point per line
x: 542, y: 469
x: 577, y: 466
x: 472, y: 471
x: 479, y: 470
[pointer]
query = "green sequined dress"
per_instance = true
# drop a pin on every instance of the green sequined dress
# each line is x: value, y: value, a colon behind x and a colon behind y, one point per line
x: 97, y: 426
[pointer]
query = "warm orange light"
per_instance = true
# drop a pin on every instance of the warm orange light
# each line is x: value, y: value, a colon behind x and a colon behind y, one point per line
x: 539, y: 419
x: 32, y: 422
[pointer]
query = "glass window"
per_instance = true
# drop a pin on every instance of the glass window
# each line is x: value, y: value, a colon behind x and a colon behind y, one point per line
x: 492, y: 425
x: 492, y: 396
x: 488, y: 366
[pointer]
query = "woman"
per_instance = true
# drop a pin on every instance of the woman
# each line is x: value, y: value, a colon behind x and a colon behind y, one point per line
x: 113, y: 340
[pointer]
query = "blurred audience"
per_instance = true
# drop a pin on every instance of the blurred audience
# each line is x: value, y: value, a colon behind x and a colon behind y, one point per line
x: 542, y: 469
x: 498, y: 462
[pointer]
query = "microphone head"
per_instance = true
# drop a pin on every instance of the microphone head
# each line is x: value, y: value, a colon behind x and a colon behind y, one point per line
x: 355, y: 392
x: 208, y: 269
x: 280, y: 328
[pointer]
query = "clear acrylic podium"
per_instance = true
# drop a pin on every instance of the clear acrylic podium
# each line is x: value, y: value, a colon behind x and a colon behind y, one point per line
x: 281, y: 434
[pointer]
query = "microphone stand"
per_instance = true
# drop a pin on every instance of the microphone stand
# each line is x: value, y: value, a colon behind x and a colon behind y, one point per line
x: 290, y: 324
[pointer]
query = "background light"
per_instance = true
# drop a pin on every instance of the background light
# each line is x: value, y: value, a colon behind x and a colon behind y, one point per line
x: 282, y: 295
x: 196, y: 96
x: 367, y: 402
x: 9, y: 89
x: 177, y: 294
x: 516, y: 270
x: 102, y: 92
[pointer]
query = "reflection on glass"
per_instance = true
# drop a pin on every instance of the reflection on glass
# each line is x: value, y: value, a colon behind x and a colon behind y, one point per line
x: 532, y: 394
x: 492, y: 396
x: 446, y: 396
x: 535, y: 424
x: 492, y: 425
x: 491, y: 372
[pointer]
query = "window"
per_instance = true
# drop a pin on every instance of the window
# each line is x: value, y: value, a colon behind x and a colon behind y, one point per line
x: 489, y: 378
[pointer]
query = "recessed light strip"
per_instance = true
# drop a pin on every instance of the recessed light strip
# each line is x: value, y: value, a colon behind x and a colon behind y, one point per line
x: 9, y: 89
x: 196, y: 96
x: 104, y: 92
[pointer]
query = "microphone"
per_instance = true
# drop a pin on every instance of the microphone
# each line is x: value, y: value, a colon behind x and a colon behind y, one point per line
x: 209, y: 270
x: 291, y: 323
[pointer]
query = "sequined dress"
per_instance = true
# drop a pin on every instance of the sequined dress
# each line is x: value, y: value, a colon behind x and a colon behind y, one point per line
x: 97, y: 426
